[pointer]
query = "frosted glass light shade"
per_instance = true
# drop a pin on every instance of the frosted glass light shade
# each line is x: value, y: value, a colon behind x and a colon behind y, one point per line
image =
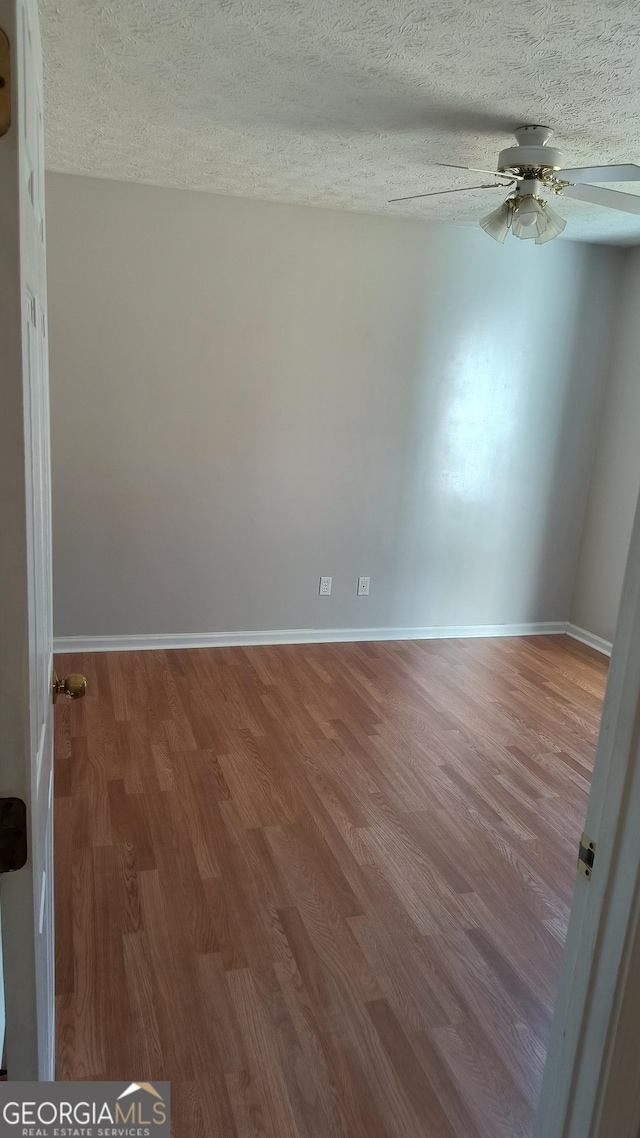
x: 497, y: 224
x: 555, y: 225
x: 529, y: 217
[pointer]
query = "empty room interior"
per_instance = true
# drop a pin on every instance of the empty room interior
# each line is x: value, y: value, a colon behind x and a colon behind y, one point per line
x: 343, y: 330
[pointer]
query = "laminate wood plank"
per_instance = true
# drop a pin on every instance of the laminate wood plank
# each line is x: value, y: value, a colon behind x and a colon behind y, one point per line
x: 390, y: 1094
x: 412, y: 1075
x: 311, y: 989
x: 63, y: 893
x: 144, y: 1047
x: 259, y: 856
x: 527, y: 1007
x: 427, y: 897
x: 421, y: 999
x: 68, y: 1048
x: 140, y: 834
x: 265, y: 889
x: 531, y: 947
x: 120, y: 674
x: 322, y: 913
x: 88, y: 1055
x: 194, y: 787
x: 110, y: 905
x: 120, y: 818
x: 266, y: 1072
x: 173, y: 980
x: 214, y: 994
x: 201, y: 1109
x: 519, y: 1046
x: 484, y: 1084
x: 247, y: 1106
x: 323, y: 889
x: 349, y: 851
x: 337, y: 1111
x: 177, y: 865
x: 224, y: 912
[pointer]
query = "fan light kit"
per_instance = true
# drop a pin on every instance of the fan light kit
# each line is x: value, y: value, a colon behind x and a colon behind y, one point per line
x: 533, y: 169
x: 527, y: 215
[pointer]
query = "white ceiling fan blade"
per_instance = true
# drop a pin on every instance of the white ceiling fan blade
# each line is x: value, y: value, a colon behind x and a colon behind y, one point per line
x: 625, y: 173
x: 597, y: 195
x: 477, y: 170
x: 459, y: 190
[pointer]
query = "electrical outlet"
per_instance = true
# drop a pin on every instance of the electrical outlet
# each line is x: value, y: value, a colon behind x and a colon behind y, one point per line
x: 363, y: 586
x: 325, y: 587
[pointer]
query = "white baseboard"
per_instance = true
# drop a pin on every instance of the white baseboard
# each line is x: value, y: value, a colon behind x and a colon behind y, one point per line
x: 589, y: 638
x: 148, y: 642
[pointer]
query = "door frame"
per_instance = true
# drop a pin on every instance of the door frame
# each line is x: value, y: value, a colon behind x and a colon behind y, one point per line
x: 591, y: 1087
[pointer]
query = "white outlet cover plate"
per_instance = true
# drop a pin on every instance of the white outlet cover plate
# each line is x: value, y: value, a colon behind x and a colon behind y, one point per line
x: 363, y: 586
x: 324, y: 589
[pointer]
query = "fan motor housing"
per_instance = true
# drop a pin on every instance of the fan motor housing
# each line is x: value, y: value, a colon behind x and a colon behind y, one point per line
x: 532, y: 150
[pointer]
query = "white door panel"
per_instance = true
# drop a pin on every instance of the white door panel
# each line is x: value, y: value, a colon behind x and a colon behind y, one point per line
x: 26, y: 728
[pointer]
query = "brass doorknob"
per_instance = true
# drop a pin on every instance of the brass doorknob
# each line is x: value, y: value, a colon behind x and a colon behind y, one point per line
x: 74, y: 686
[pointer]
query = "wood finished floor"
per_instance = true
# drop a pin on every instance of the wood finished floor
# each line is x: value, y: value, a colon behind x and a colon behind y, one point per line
x: 322, y: 889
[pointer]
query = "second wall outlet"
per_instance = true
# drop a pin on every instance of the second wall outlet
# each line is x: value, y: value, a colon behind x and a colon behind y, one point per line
x: 363, y: 586
x: 325, y: 587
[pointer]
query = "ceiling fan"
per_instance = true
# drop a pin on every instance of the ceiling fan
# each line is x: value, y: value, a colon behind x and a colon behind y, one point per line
x: 533, y: 168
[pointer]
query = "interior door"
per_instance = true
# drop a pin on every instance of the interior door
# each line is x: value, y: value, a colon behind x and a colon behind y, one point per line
x: 26, y: 772
x: 590, y: 1087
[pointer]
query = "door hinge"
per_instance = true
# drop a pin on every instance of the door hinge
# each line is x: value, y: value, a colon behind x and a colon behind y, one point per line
x: 13, y: 834
x: 5, y: 84
x: 586, y: 855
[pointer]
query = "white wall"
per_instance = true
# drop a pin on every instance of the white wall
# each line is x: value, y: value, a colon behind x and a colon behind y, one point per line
x: 246, y: 395
x: 616, y: 472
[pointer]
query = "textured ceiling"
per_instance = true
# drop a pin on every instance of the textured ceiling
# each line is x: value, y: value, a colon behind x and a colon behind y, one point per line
x: 341, y: 103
